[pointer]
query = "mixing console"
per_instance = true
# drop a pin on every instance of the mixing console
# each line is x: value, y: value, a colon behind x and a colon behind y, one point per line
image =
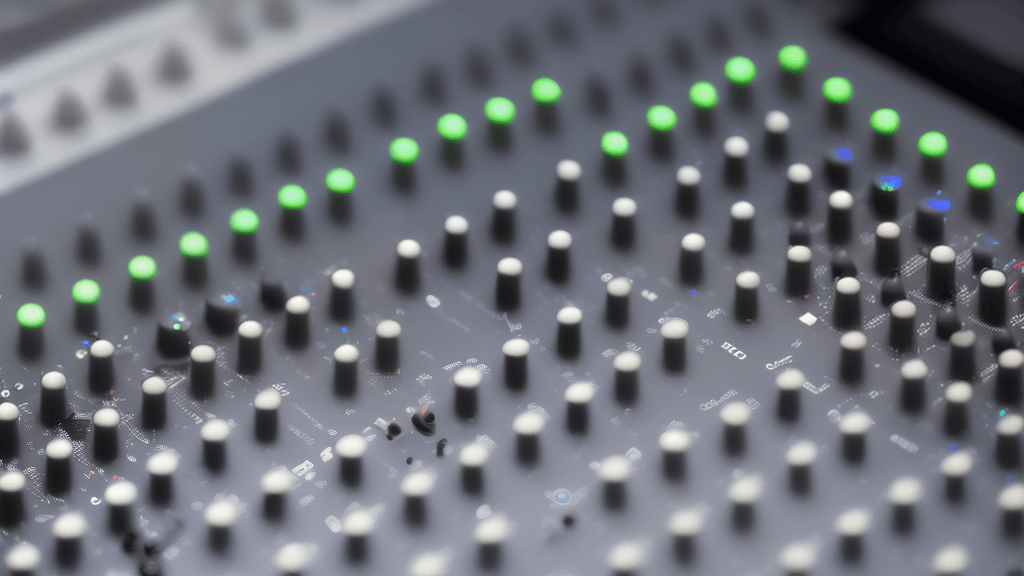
x: 548, y: 288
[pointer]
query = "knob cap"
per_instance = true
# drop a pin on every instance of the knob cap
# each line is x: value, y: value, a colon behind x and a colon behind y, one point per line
x: 1008, y: 440
x: 674, y: 444
x: 887, y: 248
x: 275, y: 484
x: 854, y: 426
x: 744, y: 493
x: 250, y: 346
x: 1011, y: 501
x: 342, y: 282
x: 489, y: 534
x: 623, y: 222
x: 52, y: 399
x: 992, y: 297
x: 346, y: 358
x: 515, y: 352
x: 617, y: 301
x: 407, y: 269
x: 798, y: 271
x: 121, y: 497
x: 961, y: 355
x: 736, y: 150
x: 902, y: 323
x: 154, y: 403
x: 105, y: 422
x: 840, y: 216
x: 741, y: 230
x: 507, y: 289
x: 503, y: 219
x: 23, y: 559
x: 58, y: 466
x: 955, y: 468
x: 799, y: 457
x: 9, y: 414
x: 957, y: 394
x: 350, y: 449
x: 577, y: 400
x: 416, y: 487
x: 846, y: 306
x: 202, y: 362
x: 687, y: 193
x: 358, y: 526
x: 904, y: 493
x: 851, y: 355
x: 101, y: 367
x: 386, y: 347
x: 466, y: 380
x: 912, y: 385
x: 161, y: 467
x: 1009, y: 375
x: 214, y: 434
x: 559, y: 243
x: 798, y: 193
x: 745, y: 301
x: 455, y: 240
x: 691, y: 258
x: 266, y: 404
x: 614, y: 471
x: 68, y: 529
x: 673, y: 338
x: 569, y: 173
x: 627, y: 382
x: 12, y: 505
x: 297, y: 321
x: 569, y: 320
x: 789, y: 382
x: 942, y: 273
x: 851, y: 527
x: 471, y: 460
x: 220, y: 517
x: 528, y: 427
x: 735, y: 416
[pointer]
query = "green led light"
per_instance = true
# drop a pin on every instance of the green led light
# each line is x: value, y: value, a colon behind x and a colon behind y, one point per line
x: 837, y: 90
x: 452, y: 127
x: 614, y: 144
x: 31, y: 316
x: 703, y: 95
x: 932, y: 145
x: 244, y: 222
x: 85, y: 292
x: 404, y: 151
x: 545, y: 91
x: 500, y: 111
x: 885, y: 121
x: 193, y: 245
x: 981, y: 177
x: 1019, y: 204
x: 340, y: 181
x: 292, y: 197
x: 792, y: 59
x: 740, y: 70
x: 142, y: 268
x: 661, y: 118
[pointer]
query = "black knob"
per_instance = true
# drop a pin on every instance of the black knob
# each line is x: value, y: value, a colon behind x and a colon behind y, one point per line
x: 58, y: 466
x: 673, y: 337
x: 961, y: 355
x: 407, y: 270
x: 840, y: 216
x: 912, y: 385
x: 947, y: 321
x: 887, y: 248
x: 515, y: 352
x: 455, y: 240
x: 567, y: 188
x: 266, y: 405
x: 386, y: 349
x: 942, y: 273
x: 741, y: 229
x: 471, y: 460
x: 614, y: 471
x: 9, y: 443
x: 272, y: 291
x: 846, y: 305
x: 528, y: 427
x: 799, y: 235
x: 105, y: 422
x: 843, y: 265
x: 691, y: 258
x: 120, y: 497
x: 52, y: 399
x: 12, y: 500
x: 577, y: 406
x: 33, y: 264
x: 687, y: 193
x: 466, y: 380
x: 838, y: 161
x: 851, y: 355
x: 798, y: 271
x: 507, y: 287
x: 350, y: 450
x: 203, y: 360
x: 929, y: 222
x: 992, y: 297
x: 215, y: 433
x: 172, y: 339
x: 892, y: 290
x: 1008, y: 440
x: 854, y: 426
x: 346, y: 358
x: 902, y: 323
x: 154, y: 403
x: 798, y: 193
x: 789, y: 383
x: 88, y: 244
x: 745, y: 300
x: 885, y: 191
x: 503, y: 219
x: 623, y: 222
x: 1008, y: 376
x: 958, y: 394
x: 222, y: 312
x: 674, y: 444
x: 296, y: 321
x: 736, y: 151
x: 250, y: 346
x: 627, y: 380
x: 101, y: 367
x: 161, y: 467
x: 342, y: 283
x: 568, y: 337
x: 616, y: 308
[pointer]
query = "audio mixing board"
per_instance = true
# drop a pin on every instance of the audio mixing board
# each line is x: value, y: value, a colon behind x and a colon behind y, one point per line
x: 528, y: 288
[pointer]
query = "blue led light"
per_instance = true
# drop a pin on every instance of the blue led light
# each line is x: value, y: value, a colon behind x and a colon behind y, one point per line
x: 940, y: 204
x: 843, y: 153
x: 693, y: 292
x: 343, y: 329
x: 230, y: 299
x: 992, y: 240
x: 954, y: 447
x: 85, y: 343
x: 304, y: 288
x: 889, y: 182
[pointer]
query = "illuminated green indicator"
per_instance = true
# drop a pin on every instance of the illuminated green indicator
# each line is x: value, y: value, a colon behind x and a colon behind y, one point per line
x: 661, y: 118
x: 1019, y: 204
x: 292, y: 197
x: 404, y: 151
x: 452, y: 127
x: 792, y: 59
x: 740, y: 70
x: 500, y: 111
x: 545, y: 91
x: 837, y: 90
x: 703, y: 95
x: 885, y: 121
x: 142, y: 268
x: 614, y: 144
x: 981, y: 177
x: 85, y: 292
x: 340, y: 181
x: 932, y: 145
x: 31, y: 316
x: 193, y: 245
x: 244, y: 222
